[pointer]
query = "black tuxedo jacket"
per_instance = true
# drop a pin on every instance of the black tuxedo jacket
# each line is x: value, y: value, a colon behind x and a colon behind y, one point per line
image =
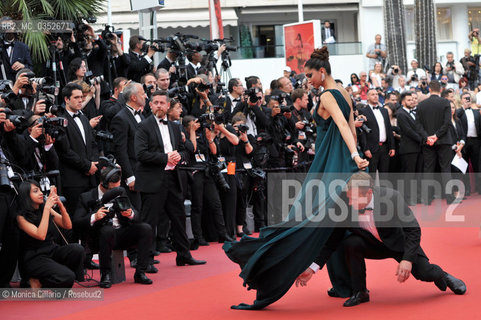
x: 395, y: 222
x: 21, y: 54
x: 262, y: 119
x: 461, y: 114
x: 75, y: 155
x: 410, y: 138
x: 138, y: 67
x: 190, y: 71
x: 86, y: 207
x: 150, y: 155
x: 433, y: 116
x: 123, y: 127
x: 371, y: 141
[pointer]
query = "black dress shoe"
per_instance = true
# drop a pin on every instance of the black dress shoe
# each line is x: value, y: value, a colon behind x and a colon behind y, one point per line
x: 182, y: 261
x: 203, y: 243
x: 156, y: 261
x: 133, y: 263
x: 247, y: 231
x: 163, y: 249
x: 358, y: 298
x: 156, y: 253
x: 151, y: 269
x: 91, y: 265
x: 105, y: 280
x: 333, y: 293
x: 240, y: 234
x: 140, y: 277
x: 456, y: 285
x: 225, y: 238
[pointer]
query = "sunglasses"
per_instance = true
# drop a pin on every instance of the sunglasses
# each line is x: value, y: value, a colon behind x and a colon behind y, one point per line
x: 309, y: 75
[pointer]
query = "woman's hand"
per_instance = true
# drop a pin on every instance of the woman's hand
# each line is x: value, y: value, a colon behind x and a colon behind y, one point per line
x: 362, y: 164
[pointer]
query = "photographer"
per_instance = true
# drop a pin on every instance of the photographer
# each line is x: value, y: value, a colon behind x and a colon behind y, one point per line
x: 114, y: 225
x: 168, y: 64
x: 227, y: 143
x: 243, y: 155
x: 204, y: 189
x: 475, y: 40
x: 15, y: 54
x: 423, y: 85
x: 376, y: 52
x: 453, y: 69
x: 140, y: 58
x: 284, y: 88
x: 192, y: 69
x: 90, y: 101
x: 42, y: 261
x: 302, y: 120
x: 77, y: 149
x: 394, y: 74
x: 233, y: 99
x: 110, y: 107
x: 469, y: 65
x: 201, y: 99
x: 25, y: 90
x: 415, y: 73
x: 120, y: 61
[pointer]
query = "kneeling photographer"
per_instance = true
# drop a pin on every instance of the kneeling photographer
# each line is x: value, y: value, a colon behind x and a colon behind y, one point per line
x: 206, y: 177
x: 106, y: 214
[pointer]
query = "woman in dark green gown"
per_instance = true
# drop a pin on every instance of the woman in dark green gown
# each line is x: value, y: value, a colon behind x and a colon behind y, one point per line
x: 271, y: 263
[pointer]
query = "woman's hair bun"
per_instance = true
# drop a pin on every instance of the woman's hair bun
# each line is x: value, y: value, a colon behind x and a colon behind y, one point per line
x: 321, y: 54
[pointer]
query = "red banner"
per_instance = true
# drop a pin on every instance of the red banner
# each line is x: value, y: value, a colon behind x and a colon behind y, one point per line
x: 299, y: 44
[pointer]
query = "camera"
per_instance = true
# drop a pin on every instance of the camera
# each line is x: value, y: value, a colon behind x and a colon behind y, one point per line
x: 215, y: 169
x: 203, y: 86
x: 424, y: 83
x: 280, y: 98
x: 307, y: 127
x: 242, y: 128
x: 285, y: 109
x: 54, y: 127
x: 414, y: 77
x: 18, y: 121
x: 93, y: 80
x: 395, y: 70
x: 108, y: 33
x: 252, y: 94
x: 364, y: 127
x: 103, y: 135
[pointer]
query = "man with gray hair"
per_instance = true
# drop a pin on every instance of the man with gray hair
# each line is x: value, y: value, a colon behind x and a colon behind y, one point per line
x: 124, y: 125
x: 454, y: 69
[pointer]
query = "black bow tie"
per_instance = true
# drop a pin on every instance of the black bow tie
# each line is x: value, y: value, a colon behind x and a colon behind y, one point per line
x: 137, y: 112
x: 8, y: 44
x: 76, y: 115
x: 413, y: 111
x: 364, y: 210
x: 468, y: 108
x: 375, y: 108
x: 164, y: 121
x: 236, y: 100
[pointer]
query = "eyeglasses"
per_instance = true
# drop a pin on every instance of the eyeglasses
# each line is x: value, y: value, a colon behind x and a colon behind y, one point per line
x: 309, y: 75
x: 363, y: 75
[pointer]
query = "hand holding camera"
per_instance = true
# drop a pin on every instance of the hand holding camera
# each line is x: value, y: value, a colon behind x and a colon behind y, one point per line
x: 101, y: 213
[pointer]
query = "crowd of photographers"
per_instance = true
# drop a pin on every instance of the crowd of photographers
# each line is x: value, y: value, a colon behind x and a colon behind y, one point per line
x: 126, y: 143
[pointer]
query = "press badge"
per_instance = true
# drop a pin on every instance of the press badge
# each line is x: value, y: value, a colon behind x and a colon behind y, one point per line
x: 199, y: 157
x: 302, y: 135
x: 247, y: 165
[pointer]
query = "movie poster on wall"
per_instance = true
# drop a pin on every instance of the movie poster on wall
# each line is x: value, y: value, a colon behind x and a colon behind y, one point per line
x: 300, y: 39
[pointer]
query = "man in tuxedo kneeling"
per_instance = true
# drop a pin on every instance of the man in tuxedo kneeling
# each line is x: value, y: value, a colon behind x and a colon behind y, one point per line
x: 382, y: 226
x: 121, y: 231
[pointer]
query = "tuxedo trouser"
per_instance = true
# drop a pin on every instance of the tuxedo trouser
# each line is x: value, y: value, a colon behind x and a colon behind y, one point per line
x: 357, y: 248
x: 138, y: 235
x: 59, y: 269
x: 241, y: 207
x: 412, y: 165
x: 380, y: 160
x: 9, y: 237
x: 170, y: 202
x: 471, y: 152
x: 205, y: 194
x: 229, y: 204
x: 441, y: 154
x: 72, y: 194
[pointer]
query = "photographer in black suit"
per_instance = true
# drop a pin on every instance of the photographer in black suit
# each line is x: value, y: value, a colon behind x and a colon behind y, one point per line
x: 192, y: 68
x: 124, y: 126
x: 112, y: 227
x: 168, y: 63
x: 375, y: 237
x: 433, y: 119
x: 409, y: 147
x: 471, y: 124
x: 140, y: 59
x: 159, y: 149
x: 378, y: 145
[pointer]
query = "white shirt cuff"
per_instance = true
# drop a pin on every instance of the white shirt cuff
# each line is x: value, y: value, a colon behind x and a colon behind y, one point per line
x: 48, y: 147
x: 132, y: 215
x: 129, y: 180
x: 34, y: 140
x: 149, y: 60
x: 314, y: 267
x: 92, y: 219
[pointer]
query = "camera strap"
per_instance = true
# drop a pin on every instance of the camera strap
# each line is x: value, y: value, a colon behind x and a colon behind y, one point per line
x: 61, y: 234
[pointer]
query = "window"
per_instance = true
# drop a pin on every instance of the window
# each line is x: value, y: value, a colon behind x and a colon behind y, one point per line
x: 444, y: 24
x: 474, y: 18
x: 409, y: 24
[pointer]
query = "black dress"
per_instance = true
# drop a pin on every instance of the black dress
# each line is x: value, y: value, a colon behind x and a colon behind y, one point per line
x: 53, y: 265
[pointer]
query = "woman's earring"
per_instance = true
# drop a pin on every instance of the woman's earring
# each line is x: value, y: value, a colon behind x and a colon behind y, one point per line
x: 323, y: 77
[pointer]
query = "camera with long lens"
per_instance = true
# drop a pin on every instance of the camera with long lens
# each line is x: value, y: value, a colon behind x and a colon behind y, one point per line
x: 203, y: 86
x: 18, y: 121
x: 242, y: 128
x: 252, y: 94
x: 215, y: 169
x: 102, y: 135
x: 149, y: 44
x: 364, y: 127
x: 308, y: 127
x: 4, y: 179
x: 285, y: 109
x: 109, y: 33
x: 207, y: 120
x: 414, y: 77
x: 90, y: 78
x: 180, y: 93
x: 54, y: 127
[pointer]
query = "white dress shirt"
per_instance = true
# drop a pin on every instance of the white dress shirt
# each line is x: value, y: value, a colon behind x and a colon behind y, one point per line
x: 233, y: 104
x: 164, y: 132
x: 380, y: 123
x: 471, y: 126
x: 79, y: 124
x: 136, y: 116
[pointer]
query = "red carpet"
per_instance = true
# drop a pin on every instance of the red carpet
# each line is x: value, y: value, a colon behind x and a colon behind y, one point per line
x: 206, y: 292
